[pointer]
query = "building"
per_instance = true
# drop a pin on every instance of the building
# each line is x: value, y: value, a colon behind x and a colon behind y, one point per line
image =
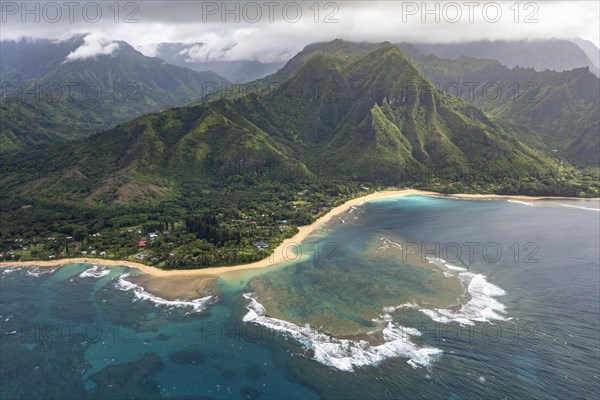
x: 261, y: 245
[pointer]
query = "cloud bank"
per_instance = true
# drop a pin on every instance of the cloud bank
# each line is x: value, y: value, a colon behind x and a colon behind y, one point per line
x: 274, y: 31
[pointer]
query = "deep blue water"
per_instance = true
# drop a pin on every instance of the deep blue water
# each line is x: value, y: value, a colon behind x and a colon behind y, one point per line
x: 64, y: 336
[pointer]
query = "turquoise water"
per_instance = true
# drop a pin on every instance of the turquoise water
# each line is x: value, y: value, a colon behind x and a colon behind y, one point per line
x: 381, y: 306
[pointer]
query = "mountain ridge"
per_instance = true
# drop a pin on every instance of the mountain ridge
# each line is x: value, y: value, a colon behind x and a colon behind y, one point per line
x: 76, y: 98
x: 384, y: 120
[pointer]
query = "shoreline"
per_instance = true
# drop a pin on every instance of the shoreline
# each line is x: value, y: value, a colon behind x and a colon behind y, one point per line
x: 280, y: 254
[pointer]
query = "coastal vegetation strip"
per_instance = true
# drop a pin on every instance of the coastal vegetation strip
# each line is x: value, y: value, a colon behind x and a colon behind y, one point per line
x: 284, y: 252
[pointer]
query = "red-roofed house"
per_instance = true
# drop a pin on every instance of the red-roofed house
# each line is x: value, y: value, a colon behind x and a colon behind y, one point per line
x: 142, y: 243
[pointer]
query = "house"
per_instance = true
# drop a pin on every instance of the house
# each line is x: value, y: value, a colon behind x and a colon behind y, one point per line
x: 83, y: 253
x: 260, y: 245
x: 96, y: 234
x: 281, y: 228
x: 153, y: 236
x: 142, y: 243
x: 93, y: 252
x: 141, y: 256
x: 103, y: 253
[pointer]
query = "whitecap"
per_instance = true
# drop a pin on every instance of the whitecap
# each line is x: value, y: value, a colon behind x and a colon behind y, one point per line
x: 401, y: 306
x: 435, y: 260
x: 10, y: 270
x: 140, y: 293
x: 39, y: 271
x: 482, y: 307
x: 443, y: 263
x: 345, y: 354
x: 95, y: 272
x: 455, y: 268
x: 387, y: 243
x: 521, y: 202
x: 578, y: 207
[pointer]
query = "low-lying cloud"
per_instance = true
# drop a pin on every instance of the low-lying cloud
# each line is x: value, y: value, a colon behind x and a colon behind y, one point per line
x: 94, y: 45
x: 274, y: 31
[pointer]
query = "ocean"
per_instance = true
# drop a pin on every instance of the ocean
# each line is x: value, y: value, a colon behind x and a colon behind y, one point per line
x: 398, y: 298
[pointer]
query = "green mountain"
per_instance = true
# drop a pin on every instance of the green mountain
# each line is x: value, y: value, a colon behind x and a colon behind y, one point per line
x: 27, y: 59
x: 62, y: 100
x: 552, y: 54
x: 339, y: 117
x: 556, y: 112
x: 216, y: 178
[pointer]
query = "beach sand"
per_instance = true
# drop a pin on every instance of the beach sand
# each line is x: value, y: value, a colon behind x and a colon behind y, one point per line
x: 284, y: 252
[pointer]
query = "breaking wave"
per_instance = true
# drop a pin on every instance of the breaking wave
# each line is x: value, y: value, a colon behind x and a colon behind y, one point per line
x: 345, y: 354
x: 39, y: 271
x: 521, y: 202
x: 95, y: 272
x: 482, y: 305
x: 141, y: 294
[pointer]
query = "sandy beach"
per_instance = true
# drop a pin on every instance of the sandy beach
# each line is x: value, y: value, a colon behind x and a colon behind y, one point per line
x: 284, y: 252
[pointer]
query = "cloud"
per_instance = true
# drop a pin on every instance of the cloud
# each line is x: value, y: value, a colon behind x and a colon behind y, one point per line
x: 94, y: 45
x: 237, y: 36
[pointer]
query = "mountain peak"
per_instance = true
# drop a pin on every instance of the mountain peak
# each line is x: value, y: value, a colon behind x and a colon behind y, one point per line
x: 386, y: 44
x: 391, y: 56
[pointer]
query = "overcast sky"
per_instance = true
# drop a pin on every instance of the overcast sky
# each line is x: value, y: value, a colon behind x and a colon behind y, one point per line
x: 275, y: 31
